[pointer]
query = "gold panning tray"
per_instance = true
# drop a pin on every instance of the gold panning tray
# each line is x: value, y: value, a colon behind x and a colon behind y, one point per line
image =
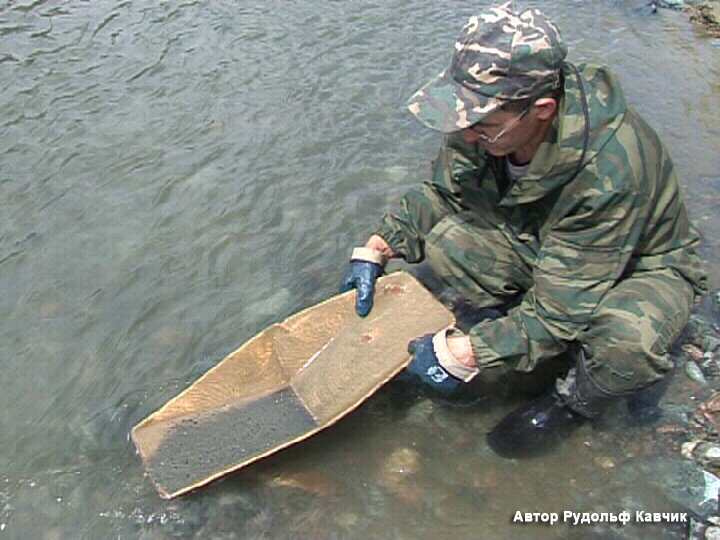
x: 285, y: 384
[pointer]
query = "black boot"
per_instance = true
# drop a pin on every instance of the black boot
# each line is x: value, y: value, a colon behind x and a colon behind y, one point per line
x: 534, y: 429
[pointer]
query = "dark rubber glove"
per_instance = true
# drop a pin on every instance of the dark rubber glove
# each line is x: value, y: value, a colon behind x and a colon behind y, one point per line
x: 424, y: 365
x: 361, y: 275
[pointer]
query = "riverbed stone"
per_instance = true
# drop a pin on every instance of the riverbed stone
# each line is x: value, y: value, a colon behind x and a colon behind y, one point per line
x: 604, y: 462
x: 694, y: 372
x: 705, y: 453
x: 685, y: 483
x: 670, y: 4
x: 708, y: 14
x: 397, y: 474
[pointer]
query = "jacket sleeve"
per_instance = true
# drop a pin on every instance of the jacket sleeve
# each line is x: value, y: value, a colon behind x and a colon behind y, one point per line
x: 580, y: 258
x: 421, y: 208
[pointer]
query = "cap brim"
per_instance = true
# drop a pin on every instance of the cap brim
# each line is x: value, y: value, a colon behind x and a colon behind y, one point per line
x: 445, y: 105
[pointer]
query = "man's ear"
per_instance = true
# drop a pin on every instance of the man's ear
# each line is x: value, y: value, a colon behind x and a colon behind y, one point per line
x: 545, y: 107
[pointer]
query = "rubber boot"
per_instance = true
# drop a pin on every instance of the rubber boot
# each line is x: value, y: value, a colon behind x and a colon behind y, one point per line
x: 534, y: 428
x: 537, y: 427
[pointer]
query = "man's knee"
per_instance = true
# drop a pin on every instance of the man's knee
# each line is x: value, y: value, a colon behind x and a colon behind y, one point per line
x: 477, y: 259
x: 629, y: 336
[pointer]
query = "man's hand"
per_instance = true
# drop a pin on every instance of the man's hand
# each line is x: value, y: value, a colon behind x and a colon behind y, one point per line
x: 366, y: 265
x: 361, y: 275
x: 425, y: 366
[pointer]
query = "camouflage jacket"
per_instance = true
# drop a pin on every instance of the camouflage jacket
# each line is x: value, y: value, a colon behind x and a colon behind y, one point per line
x: 600, y: 202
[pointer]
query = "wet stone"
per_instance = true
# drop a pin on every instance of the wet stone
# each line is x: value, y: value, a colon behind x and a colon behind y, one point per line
x: 685, y: 483
x: 402, y: 461
x: 694, y: 372
x: 346, y: 520
x: 694, y: 352
x: 705, y: 453
x: 604, y: 462
x: 312, y: 482
x: 711, y: 343
x: 707, y: 13
x: 670, y: 4
x: 712, y: 405
x: 397, y: 475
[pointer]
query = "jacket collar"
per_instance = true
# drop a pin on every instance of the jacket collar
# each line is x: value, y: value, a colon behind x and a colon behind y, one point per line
x: 566, y: 147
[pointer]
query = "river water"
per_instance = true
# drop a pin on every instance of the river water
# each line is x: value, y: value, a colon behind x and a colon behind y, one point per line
x: 174, y: 176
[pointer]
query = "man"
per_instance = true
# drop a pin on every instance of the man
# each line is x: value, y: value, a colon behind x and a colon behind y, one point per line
x: 553, y: 196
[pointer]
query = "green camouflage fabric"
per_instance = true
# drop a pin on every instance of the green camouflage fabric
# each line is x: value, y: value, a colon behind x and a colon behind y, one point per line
x: 605, y: 258
x: 499, y: 56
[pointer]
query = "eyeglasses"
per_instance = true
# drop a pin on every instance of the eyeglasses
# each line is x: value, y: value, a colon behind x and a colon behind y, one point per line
x: 503, y: 131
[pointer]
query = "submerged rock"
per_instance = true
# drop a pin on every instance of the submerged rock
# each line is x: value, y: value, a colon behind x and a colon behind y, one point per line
x: 402, y: 461
x: 604, y: 462
x: 708, y: 413
x: 695, y: 373
x: 707, y: 14
x: 705, y: 453
x: 686, y: 484
x: 397, y: 474
x: 312, y: 482
x: 670, y: 4
x: 693, y: 352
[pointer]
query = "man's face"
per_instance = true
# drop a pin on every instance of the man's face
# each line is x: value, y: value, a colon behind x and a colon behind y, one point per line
x: 502, y: 132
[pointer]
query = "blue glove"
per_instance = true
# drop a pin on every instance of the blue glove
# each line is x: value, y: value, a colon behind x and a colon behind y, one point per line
x: 361, y: 275
x: 424, y: 365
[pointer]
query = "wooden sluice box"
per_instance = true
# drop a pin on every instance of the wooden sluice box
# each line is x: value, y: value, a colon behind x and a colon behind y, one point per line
x: 285, y: 384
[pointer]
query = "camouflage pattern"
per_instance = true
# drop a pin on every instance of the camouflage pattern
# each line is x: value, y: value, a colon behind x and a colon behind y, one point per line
x: 499, y: 56
x: 605, y: 258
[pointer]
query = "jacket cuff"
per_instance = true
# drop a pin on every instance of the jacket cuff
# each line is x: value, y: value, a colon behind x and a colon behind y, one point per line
x: 485, y: 355
x: 369, y: 255
x: 393, y: 238
x: 448, y: 361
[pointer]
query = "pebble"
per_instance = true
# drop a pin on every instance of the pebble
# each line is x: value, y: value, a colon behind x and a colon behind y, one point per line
x: 711, y: 343
x: 402, y: 461
x: 705, y: 453
x: 346, y: 520
x: 420, y: 413
x: 695, y: 373
x: 712, y: 405
x: 396, y: 474
x: 308, y: 481
x: 693, y: 351
x: 670, y: 4
x: 604, y: 462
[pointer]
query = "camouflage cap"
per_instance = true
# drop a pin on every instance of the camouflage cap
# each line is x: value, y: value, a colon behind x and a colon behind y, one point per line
x: 500, y: 56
